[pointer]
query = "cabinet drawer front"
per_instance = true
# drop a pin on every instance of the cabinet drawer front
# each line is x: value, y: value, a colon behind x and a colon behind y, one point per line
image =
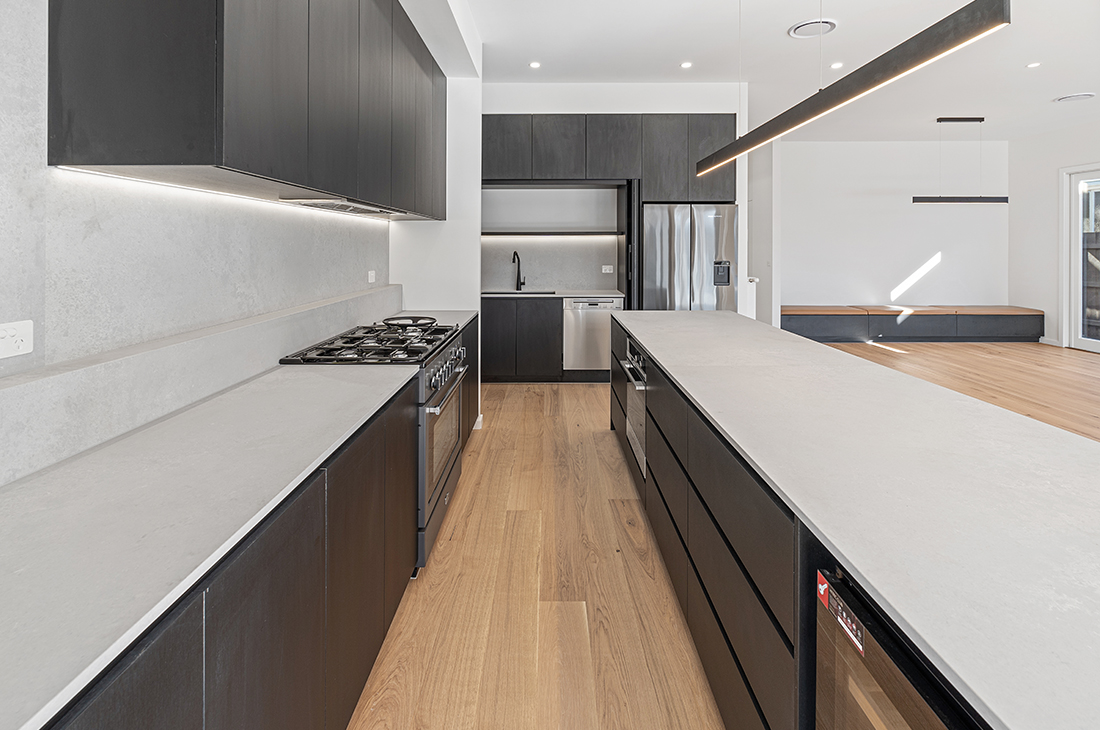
x: 619, y: 383
x: 668, y: 540
x: 764, y: 656
x: 761, y: 533
x: 618, y: 423
x: 669, y: 410
x: 618, y: 341
x: 921, y: 325
x: 730, y: 693
x: 671, y: 478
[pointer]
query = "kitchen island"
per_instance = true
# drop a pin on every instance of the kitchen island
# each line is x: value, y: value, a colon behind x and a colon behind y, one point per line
x: 976, y: 529
x: 96, y: 549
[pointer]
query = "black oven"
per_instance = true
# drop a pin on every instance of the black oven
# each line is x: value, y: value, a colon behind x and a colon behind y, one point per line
x: 868, y: 677
x: 440, y: 446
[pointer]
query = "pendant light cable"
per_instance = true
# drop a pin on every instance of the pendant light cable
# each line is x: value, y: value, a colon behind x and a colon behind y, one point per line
x: 820, y: 45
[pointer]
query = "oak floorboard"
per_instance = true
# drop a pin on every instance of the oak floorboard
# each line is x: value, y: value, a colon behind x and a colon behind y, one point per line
x: 566, y: 679
x: 468, y: 647
x: 510, y: 672
x: 1051, y: 384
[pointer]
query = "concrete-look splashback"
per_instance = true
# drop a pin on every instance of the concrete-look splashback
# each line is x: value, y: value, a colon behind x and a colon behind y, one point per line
x: 549, y: 262
x: 100, y: 264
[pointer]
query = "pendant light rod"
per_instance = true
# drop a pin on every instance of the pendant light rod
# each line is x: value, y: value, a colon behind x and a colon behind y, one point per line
x: 960, y: 198
x: 963, y: 27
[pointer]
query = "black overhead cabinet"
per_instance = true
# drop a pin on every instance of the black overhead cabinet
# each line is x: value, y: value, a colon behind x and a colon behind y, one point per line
x: 287, y: 99
x: 659, y: 149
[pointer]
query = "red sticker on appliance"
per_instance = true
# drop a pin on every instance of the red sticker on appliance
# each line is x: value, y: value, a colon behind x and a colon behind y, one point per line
x: 823, y: 589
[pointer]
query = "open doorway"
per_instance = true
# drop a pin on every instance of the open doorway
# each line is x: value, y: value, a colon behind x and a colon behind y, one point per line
x: 1084, y: 260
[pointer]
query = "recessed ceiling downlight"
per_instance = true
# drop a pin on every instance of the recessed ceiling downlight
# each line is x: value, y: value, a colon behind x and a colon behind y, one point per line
x: 1076, y: 97
x: 685, y: 64
x: 535, y: 64
x: 812, y: 28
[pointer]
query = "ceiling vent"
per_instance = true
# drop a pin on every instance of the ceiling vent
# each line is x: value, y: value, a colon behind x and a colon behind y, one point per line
x: 1076, y: 97
x: 812, y: 28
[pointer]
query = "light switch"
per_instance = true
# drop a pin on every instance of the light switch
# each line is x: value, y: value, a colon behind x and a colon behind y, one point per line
x: 370, y: 277
x: 609, y: 269
x: 16, y: 338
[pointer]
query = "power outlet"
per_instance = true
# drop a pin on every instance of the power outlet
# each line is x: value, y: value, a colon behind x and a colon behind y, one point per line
x: 370, y: 277
x: 609, y: 269
x: 16, y: 338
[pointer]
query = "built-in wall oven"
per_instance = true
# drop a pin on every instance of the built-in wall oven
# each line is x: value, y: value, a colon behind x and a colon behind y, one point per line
x: 867, y: 678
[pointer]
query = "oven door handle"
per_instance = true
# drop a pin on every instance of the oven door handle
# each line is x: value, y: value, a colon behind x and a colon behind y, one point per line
x: 627, y: 368
x: 436, y: 410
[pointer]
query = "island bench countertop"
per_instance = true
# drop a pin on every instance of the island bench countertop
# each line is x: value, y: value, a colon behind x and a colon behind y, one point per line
x: 977, y: 529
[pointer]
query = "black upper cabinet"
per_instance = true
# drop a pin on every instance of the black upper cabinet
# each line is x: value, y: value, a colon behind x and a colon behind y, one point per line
x: 665, y: 158
x: 147, y: 99
x: 375, y: 100
x: 265, y: 623
x: 558, y: 147
x: 266, y: 88
x: 334, y: 96
x: 355, y: 569
x: 506, y: 147
x: 708, y: 133
x: 340, y: 97
x: 157, y: 685
x: 439, y: 143
x: 406, y: 72
x: 614, y: 143
x: 425, y: 128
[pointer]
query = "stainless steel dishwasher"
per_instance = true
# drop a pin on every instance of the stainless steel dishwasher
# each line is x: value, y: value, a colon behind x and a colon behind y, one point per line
x: 586, y: 332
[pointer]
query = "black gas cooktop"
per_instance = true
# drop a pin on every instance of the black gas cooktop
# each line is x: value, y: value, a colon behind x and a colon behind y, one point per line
x: 393, y: 341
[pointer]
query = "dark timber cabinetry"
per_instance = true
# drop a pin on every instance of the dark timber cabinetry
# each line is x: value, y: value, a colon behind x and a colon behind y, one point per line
x: 279, y: 99
x: 659, y: 149
x: 283, y: 633
x: 731, y: 551
x: 522, y: 339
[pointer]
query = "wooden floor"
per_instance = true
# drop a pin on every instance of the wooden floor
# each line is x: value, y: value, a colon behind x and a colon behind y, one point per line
x: 545, y: 603
x: 1052, y: 384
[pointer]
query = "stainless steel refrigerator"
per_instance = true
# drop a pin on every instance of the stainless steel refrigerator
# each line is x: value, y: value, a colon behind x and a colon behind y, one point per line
x: 689, y: 257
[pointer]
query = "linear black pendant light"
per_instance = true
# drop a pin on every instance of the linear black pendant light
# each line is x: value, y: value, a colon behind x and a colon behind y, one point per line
x: 961, y: 198
x: 966, y: 25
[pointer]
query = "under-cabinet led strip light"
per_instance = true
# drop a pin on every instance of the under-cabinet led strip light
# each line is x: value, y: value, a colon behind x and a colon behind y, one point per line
x: 970, y: 23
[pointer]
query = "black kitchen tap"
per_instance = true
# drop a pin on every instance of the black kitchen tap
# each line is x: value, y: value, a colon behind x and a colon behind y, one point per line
x: 520, y: 281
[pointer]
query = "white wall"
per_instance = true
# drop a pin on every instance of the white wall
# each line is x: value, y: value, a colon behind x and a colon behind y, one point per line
x: 1036, y: 255
x: 851, y: 234
x: 439, y: 263
x: 765, y: 220
x: 612, y: 98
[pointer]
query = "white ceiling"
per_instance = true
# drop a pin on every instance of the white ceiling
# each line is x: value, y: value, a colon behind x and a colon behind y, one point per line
x: 631, y: 41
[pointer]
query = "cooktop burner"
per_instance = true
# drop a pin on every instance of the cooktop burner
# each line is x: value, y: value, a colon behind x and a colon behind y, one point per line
x: 394, y: 340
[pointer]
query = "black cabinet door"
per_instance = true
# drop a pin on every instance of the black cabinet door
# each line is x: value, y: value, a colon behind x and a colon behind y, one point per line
x: 665, y: 158
x: 401, y: 494
x: 708, y: 133
x: 265, y: 622
x: 539, y: 339
x: 557, y: 147
x: 425, y: 127
x: 406, y: 73
x: 506, y: 147
x: 334, y: 96
x: 439, y: 143
x: 668, y: 539
x: 355, y: 569
x: 614, y: 143
x: 375, y: 100
x: 157, y: 685
x: 265, y: 87
x: 498, y: 340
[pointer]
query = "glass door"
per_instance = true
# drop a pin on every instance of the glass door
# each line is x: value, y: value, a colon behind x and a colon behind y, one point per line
x: 1085, y: 263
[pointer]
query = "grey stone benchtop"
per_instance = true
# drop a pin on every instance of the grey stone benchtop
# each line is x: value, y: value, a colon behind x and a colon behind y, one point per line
x: 95, y: 549
x: 975, y: 528
x: 564, y: 293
